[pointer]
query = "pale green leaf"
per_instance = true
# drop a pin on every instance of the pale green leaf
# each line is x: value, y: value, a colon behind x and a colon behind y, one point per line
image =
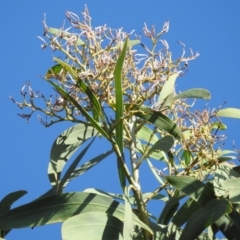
x: 232, y: 186
x: 147, y: 134
x: 65, y: 146
x: 92, y: 226
x: 59, y: 207
x: 194, y: 93
x: 128, y: 217
x: 229, y: 112
x: 168, y: 87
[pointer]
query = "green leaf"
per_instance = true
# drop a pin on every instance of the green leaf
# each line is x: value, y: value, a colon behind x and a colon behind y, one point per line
x: 205, y: 217
x: 87, y: 166
x: 169, y: 210
x: 194, y: 93
x: 194, y: 188
x: 65, y: 35
x: 168, y: 87
x: 128, y: 217
x: 59, y: 207
x: 163, y: 144
x: 92, y: 226
x: 119, y: 111
x: 9, y: 199
x: 187, y: 157
x: 64, y: 147
x: 185, y: 212
x: 229, y: 112
x: 160, y: 120
x: 147, y: 134
x: 232, y: 186
x: 90, y: 119
x: 218, y: 125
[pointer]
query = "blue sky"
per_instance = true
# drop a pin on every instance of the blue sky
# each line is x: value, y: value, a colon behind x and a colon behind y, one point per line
x: 209, y: 27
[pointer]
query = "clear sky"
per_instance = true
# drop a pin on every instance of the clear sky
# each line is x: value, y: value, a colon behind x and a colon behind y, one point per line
x: 210, y: 27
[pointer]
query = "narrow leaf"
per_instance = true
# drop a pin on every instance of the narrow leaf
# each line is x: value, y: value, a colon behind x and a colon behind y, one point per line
x: 92, y: 226
x: 91, y: 120
x: 86, y: 89
x: 205, y: 217
x: 194, y: 93
x: 147, y: 134
x: 128, y: 217
x: 229, y: 112
x: 119, y: 110
x: 232, y: 186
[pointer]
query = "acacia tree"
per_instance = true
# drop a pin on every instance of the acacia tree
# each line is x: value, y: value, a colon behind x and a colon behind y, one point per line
x: 112, y: 86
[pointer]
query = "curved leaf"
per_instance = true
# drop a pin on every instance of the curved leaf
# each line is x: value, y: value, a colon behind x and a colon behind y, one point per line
x: 9, y: 199
x: 160, y: 120
x: 59, y: 207
x: 168, y: 87
x: 229, y: 112
x: 64, y: 147
x: 194, y: 93
x: 92, y: 226
x: 232, y: 186
x: 205, y: 217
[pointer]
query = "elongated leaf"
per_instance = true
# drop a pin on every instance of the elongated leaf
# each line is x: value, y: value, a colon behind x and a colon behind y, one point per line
x: 73, y: 166
x: 119, y: 110
x: 160, y: 120
x: 64, y: 147
x: 185, y: 212
x: 168, y: 87
x: 169, y: 210
x: 194, y: 93
x: 9, y: 199
x: 92, y: 226
x: 59, y: 207
x: 192, y: 187
x: 205, y: 217
x: 87, y: 166
x: 163, y: 144
x: 229, y: 112
x: 65, y: 35
x: 80, y: 108
x: 57, y: 71
x: 86, y: 89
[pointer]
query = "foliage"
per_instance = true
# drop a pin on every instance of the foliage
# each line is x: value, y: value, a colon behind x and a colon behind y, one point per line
x: 103, y: 75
